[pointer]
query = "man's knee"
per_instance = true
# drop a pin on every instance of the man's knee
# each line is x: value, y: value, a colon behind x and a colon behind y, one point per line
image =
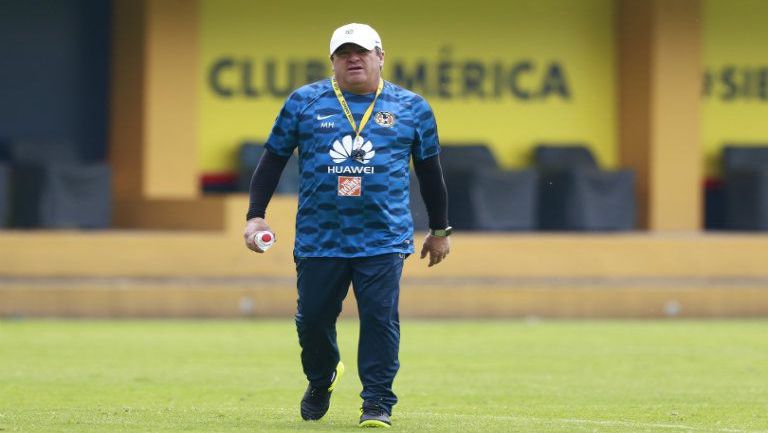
x: 314, y: 320
x: 386, y: 317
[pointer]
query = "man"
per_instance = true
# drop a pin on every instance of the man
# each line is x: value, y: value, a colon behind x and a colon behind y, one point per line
x: 355, y: 135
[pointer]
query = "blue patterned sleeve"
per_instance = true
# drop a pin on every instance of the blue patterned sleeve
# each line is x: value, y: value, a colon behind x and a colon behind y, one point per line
x: 426, y: 143
x: 285, y: 133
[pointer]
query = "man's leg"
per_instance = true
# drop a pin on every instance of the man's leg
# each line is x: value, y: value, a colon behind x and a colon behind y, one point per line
x: 322, y: 285
x: 376, y: 282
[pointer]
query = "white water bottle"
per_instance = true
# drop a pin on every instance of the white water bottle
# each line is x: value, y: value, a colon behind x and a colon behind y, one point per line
x: 264, y: 239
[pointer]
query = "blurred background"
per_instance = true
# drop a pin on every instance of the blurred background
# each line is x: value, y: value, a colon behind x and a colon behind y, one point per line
x: 604, y: 158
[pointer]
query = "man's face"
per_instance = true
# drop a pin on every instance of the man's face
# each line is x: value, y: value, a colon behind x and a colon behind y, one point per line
x: 357, y: 68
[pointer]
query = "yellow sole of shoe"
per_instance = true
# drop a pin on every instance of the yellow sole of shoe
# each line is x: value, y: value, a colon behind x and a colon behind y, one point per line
x: 374, y: 424
x: 339, y: 373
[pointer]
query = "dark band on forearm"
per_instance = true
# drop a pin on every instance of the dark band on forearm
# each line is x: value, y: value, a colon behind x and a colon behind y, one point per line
x: 264, y: 182
x: 433, y: 191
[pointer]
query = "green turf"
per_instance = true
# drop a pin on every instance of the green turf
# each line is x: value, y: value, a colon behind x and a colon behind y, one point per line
x: 456, y: 376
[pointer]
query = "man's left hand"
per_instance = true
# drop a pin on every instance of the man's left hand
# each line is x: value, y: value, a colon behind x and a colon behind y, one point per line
x: 437, y: 247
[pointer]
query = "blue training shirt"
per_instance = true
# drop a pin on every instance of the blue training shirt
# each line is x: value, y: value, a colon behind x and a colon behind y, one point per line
x: 354, y: 195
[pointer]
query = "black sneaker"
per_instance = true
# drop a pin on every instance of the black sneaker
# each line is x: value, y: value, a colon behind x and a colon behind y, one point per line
x: 373, y: 415
x: 317, y: 400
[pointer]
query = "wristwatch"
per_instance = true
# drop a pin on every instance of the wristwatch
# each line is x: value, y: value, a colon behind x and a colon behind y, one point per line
x: 443, y: 233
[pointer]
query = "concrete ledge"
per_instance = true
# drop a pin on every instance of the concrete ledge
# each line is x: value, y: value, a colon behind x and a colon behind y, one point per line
x: 276, y: 297
x: 222, y: 253
x: 207, y: 272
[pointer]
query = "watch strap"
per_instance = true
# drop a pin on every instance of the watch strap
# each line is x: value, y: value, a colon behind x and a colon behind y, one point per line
x: 441, y: 232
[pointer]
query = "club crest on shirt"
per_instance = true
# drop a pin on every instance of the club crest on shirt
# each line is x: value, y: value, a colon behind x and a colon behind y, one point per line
x: 385, y: 118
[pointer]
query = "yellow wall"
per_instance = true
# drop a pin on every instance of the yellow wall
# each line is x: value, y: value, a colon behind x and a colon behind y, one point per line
x: 659, y: 96
x: 735, y: 105
x: 171, y: 118
x: 153, y: 116
x: 675, y: 199
x: 576, y: 36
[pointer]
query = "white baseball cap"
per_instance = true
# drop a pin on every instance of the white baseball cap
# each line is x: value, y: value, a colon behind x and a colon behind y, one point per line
x: 358, y: 34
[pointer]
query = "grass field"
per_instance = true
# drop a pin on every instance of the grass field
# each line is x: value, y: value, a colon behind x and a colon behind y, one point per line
x: 456, y: 376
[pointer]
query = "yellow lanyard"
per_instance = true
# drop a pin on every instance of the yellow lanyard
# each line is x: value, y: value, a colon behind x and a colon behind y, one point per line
x: 348, y: 112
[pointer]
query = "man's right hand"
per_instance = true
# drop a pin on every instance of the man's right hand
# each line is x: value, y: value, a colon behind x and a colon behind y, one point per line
x: 251, y: 227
